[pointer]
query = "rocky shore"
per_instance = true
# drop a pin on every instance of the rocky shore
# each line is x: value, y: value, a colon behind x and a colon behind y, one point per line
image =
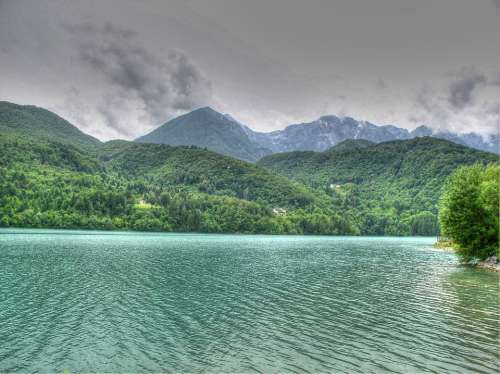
x: 491, y: 263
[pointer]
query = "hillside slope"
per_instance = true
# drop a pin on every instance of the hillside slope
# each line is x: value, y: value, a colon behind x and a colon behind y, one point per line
x: 32, y: 122
x: 205, y: 170
x: 152, y: 188
x: 389, y: 185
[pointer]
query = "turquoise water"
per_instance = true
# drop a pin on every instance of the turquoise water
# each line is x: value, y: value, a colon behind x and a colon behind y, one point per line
x: 134, y: 302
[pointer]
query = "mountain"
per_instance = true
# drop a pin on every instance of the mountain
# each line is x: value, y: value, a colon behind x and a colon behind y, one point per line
x: 472, y: 140
x: 350, y: 145
x: 209, y: 129
x: 328, y: 131
x: 218, y: 132
x: 389, y: 187
x: 29, y: 121
x: 421, y: 131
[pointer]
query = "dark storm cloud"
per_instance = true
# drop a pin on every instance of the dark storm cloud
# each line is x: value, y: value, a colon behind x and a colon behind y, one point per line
x: 185, y: 81
x: 432, y: 106
x: 462, y: 88
x: 467, y: 101
x: 162, y: 86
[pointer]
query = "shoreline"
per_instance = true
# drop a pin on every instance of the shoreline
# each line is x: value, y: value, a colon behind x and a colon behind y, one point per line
x: 490, y: 263
x: 131, y: 231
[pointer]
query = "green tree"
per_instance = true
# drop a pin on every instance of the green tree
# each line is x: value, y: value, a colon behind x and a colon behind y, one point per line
x: 423, y: 223
x: 469, y: 210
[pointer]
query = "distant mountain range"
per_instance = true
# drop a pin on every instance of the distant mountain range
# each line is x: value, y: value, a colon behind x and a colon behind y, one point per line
x: 329, y: 131
x: 205, y: 127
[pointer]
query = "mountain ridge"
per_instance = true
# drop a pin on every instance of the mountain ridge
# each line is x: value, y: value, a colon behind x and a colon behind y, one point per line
x: 206, y: 128
x: 319, y: 135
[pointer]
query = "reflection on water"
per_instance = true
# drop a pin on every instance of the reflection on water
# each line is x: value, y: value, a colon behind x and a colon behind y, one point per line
x: 110, y: 302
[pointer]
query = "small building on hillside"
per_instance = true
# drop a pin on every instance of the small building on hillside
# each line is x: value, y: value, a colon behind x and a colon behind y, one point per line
x: 279, y: 211
x: 335, y: 186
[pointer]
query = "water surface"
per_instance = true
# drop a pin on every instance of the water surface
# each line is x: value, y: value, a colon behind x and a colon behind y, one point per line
x: 135, y: 302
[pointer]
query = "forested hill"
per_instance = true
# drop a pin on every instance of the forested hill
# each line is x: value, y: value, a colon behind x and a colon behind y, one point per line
x: 36, y: 123
x: 358, y: 161
x: 154, y: 188
x: 391, y: 187
x: 208, y: 171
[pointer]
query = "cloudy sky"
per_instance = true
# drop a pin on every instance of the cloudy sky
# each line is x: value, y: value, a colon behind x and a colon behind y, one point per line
x: 117, y: 69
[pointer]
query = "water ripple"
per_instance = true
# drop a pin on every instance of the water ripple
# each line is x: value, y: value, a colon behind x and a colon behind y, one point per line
x: 126, y: 302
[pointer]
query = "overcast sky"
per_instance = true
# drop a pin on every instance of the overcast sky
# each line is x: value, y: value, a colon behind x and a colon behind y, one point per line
x: 117, y: 69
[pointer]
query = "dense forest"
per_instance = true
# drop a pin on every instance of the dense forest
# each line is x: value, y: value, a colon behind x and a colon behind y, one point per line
x: 54, y: 176
x: 153, y: 188
x: 390, y: 188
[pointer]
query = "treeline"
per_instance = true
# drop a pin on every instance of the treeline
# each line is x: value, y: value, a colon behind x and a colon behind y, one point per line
x: 49, y: 185
x: 48, y: 199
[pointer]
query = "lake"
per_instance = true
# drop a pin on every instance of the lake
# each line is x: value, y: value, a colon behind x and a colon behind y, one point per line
x: 138, y: 302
